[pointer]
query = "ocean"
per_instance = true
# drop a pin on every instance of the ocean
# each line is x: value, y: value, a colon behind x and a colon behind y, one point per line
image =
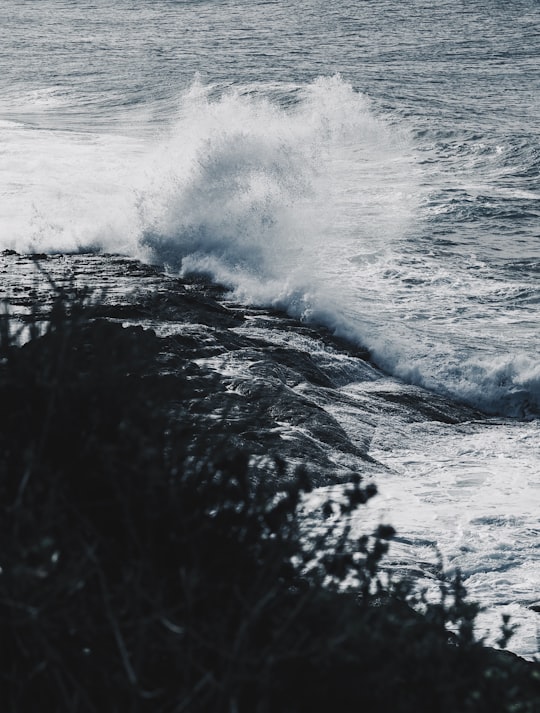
x: 373, y: 168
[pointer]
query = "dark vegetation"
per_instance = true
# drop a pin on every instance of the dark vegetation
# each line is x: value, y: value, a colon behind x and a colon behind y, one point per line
x: 142, y: 570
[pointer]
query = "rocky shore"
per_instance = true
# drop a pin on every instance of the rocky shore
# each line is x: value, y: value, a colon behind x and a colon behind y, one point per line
x: 274, y: 385
x: 157, y: 444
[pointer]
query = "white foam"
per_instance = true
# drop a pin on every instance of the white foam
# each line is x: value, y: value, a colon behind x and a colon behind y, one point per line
x: 312, y: 205
x: 472, y: 491
x: 507, y: 383
x: 262, y: 190
x: 63, y: 191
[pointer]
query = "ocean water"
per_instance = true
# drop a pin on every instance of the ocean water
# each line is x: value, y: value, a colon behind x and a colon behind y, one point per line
x: 372, y: 167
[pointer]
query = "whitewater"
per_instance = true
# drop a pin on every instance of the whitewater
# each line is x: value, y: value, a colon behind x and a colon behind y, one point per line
x: 372, y: 169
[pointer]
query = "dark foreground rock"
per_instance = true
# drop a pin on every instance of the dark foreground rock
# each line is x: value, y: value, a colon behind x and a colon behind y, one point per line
x: 154, y: 551
x: 271, y: 383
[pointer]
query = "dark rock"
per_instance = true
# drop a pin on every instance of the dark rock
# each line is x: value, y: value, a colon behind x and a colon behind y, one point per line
x: 258, y: 384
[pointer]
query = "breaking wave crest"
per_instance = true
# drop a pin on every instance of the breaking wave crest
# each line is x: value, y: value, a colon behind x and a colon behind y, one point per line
x: 289, y: 203
x: 258, y: 188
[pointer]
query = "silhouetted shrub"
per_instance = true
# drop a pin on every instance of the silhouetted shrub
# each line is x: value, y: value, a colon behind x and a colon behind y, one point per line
x: 142, y: 570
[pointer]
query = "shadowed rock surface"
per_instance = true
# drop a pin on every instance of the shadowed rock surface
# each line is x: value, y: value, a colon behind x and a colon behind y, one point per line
x: 115, y: 525
x: 277, y: 387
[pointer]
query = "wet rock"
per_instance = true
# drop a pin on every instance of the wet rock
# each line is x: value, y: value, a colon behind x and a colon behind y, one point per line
x: 282, y: 390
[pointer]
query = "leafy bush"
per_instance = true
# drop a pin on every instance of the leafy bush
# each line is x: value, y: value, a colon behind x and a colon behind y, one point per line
x: 142, y: 570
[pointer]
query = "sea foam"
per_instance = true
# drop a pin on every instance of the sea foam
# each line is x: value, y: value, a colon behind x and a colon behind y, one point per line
x: 308, y: 203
